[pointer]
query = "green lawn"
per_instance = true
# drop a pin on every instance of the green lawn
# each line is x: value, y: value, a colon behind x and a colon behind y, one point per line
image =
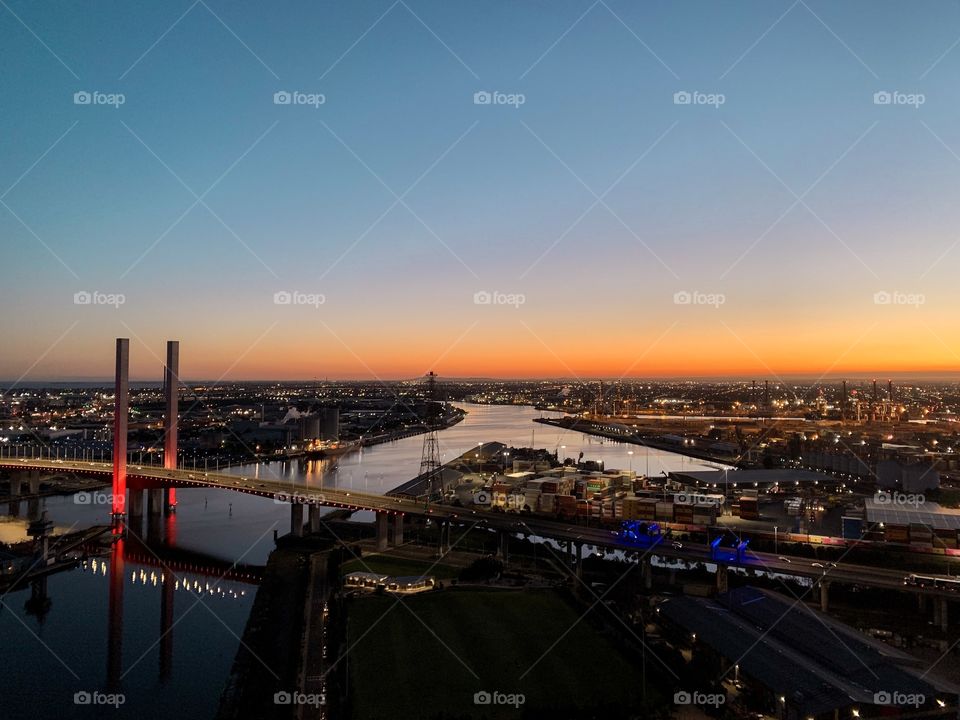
x: 399, y: 567
x: 403, y: 669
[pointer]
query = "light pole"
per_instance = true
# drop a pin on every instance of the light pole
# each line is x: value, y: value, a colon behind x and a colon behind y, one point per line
x: 630, y: 453
x: 775, y: 551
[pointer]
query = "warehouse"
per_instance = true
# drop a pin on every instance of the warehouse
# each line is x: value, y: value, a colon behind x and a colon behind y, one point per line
x: 727, y: 480
x: 787, y: 666
x: 909, y: 518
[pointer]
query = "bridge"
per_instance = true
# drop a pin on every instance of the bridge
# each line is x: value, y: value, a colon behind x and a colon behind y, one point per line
x: 391, y: 511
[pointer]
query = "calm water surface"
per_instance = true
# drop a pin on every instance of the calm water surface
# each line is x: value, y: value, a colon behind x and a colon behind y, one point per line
x: 167, y: 643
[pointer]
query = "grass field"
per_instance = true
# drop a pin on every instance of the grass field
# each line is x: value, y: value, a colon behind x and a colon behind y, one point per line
x: 420, y: 661
x: 399, y: 567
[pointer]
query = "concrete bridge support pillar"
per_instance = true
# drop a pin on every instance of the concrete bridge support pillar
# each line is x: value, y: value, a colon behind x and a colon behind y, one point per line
x: 135, y: 512
x: 155, y: 502
x: 503, y: 546
x: 33, y: 482
x: 723, y: 579
x: 120, y: 409
x: 14, y: 484
x: 398, y: 530
x: 579, y: 561
x: 445, y: 530
x: 296, y: 519
x: 647, y: 570
x: 824, y: 596
x: 313, y: 517
x: 171, y: 387
x: 136, y: 503
x: 940, y: 612
x: 382, y: 534
x: 921, y: 602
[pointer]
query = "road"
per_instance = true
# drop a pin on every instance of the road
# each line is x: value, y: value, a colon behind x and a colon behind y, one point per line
x: 863, y: 575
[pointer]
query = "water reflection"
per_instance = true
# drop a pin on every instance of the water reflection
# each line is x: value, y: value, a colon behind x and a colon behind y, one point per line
x: 140, y: 611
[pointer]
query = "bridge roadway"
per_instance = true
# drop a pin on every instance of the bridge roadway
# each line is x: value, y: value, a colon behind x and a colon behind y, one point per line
x: 562, y: 532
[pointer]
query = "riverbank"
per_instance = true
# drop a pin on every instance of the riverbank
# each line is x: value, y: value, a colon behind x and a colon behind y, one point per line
x: 621, y: 434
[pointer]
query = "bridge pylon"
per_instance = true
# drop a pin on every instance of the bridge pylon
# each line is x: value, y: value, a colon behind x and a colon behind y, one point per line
x: 121, y: 406
x: 171, y: 392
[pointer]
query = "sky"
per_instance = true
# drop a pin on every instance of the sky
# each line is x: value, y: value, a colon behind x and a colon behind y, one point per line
x: 539, y: 188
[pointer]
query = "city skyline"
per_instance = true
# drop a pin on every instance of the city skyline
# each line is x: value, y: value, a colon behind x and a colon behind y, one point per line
x: 755, y: 191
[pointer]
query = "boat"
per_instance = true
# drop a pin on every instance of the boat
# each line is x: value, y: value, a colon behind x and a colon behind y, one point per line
x: 330, y: 448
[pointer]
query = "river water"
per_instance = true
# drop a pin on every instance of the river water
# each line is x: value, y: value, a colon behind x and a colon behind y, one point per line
x: 176, y: 664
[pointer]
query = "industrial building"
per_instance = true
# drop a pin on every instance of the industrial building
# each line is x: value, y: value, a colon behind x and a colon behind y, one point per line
x: 909, y: 519
x: 775, y: 657
x: 724, y: 481
x: 915, y: 477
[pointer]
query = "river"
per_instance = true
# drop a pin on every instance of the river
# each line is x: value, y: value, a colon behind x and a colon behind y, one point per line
x: 65, y: 649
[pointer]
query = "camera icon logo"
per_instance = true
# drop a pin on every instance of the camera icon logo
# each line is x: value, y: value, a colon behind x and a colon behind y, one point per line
x: 682, y: 297
x: 82, y: 97
x: 82, y: 698
x: 83, y: 498
x: 282, y: 297
x: 682, y: 97
x: 482, y: 297
x: 482, y: 698
x: 882, y: 698
x: 282, y: 97
x: 682, y: 697
x: 282, y: 698
x: 82, y: 298
x: 882, y: 297
x: 882, y: 97
x: 482, y: 97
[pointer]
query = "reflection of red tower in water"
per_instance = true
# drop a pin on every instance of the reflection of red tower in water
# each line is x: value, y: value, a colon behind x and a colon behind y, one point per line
x: 166, y: 602
x: 116, y: 573
x: 115, y: 619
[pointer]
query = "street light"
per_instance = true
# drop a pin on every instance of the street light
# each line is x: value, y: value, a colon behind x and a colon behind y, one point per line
x: 630, y: 453
x: 775, y: 539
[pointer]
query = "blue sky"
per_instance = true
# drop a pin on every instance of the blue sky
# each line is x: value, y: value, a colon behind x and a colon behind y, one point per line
x: 304, y: 198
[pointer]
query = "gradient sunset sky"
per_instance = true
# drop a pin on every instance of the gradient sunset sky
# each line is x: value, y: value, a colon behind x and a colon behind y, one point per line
x: 813, y: 226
